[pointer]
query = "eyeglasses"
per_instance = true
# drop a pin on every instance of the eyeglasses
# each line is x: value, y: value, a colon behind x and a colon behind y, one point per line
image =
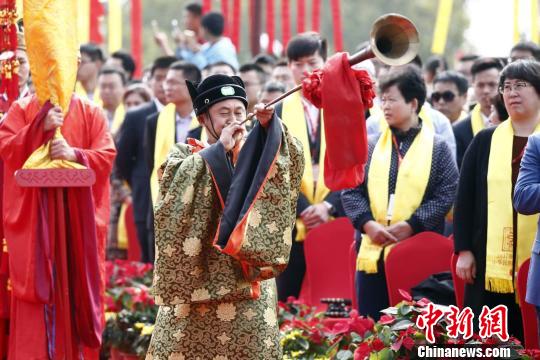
x: 447, y: 96
x: 517, y: 87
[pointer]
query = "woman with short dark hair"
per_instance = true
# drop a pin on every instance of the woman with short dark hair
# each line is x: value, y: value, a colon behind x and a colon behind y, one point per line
x: 490, y: 237
x: 410, y: 183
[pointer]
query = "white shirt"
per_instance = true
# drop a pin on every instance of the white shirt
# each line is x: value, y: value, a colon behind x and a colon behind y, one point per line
x: 311, y: 113
x: 182, y: 127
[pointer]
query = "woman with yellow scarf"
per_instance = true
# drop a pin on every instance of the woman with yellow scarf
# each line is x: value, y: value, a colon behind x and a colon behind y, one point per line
x: 491, y: 238
x: 410, y: 184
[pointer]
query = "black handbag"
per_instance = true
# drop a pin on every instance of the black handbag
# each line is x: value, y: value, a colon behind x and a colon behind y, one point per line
x: 438, y: 288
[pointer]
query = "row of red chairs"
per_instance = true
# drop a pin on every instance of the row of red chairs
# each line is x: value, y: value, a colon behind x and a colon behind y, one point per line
x: 331, y: 264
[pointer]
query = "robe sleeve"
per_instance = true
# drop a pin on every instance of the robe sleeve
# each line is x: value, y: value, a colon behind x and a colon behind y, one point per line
x: 186, y: 216
x: 262, y: 240
x: 100, y: 154
x: 17, y: 136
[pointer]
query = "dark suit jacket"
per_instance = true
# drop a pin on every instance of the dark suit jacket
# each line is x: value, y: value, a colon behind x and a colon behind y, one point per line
x: 334, y: 197
x: 150, y: 138
x: 130, y: 160
x: 149, y: 149
x: 464, y: 134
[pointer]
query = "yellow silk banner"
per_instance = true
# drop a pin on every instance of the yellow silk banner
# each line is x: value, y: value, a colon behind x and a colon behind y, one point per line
x: 440, y: 33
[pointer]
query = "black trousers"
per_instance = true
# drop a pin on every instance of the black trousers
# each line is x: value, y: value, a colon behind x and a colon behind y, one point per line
x: 142, y: 234
x: 289, y: 282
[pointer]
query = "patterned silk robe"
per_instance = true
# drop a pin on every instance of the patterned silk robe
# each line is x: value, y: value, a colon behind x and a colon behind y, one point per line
x: 222, y: 235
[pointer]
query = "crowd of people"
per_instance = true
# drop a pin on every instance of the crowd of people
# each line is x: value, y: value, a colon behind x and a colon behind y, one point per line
x: 444, y: 153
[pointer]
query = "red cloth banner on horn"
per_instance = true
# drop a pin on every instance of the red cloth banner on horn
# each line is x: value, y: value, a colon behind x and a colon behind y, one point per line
x: 343, y: 93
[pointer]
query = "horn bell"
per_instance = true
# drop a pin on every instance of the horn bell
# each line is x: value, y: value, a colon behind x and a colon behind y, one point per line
x: 394, y: 39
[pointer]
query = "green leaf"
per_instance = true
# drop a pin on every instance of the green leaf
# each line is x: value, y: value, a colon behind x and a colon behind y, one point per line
x: 303, y: 343
x: 401, y: 325
x: 405, y: 309
x: 385, y: 354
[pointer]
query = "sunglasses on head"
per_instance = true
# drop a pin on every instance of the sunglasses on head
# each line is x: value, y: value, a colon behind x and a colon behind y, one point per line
x: 447, y: 96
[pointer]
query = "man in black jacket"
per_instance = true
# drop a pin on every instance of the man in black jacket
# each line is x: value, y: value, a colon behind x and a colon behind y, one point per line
x: 485, y: 75
x: 130, y: 160
x: 179, y: 111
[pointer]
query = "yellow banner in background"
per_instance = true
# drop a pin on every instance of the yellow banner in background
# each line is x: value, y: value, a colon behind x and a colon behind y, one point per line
x: 516, y: 21
x: 19, y: 5
x: 83, y: 21
x: 534, y: 21
x: 442, y: 24
x: 115, y: 25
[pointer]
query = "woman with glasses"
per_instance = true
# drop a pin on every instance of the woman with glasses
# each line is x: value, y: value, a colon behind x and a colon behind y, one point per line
x: 490, y: 237
x: 410, y: 184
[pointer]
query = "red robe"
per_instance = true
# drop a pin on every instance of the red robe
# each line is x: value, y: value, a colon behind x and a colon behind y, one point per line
x: 85, y: 129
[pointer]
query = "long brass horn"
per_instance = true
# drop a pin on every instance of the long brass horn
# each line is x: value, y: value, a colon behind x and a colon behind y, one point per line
x: 394, y: 40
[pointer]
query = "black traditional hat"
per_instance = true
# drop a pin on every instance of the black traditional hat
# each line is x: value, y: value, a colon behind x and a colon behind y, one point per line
x: 214, y: 89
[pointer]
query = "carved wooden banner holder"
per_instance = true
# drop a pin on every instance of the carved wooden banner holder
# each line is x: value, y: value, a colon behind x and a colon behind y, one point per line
x: 55, y: 178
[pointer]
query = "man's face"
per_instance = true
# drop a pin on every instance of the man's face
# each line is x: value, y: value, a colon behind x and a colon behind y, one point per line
x: 305, y: 64
x: 485, y: 87
x: 111, y: 90
x: 175, y: 87
x: 521, y: 55
x: 88, y: 69
x: 253, y: 85
x: 267, y: 96
x: 446, y: 99
x: 283, y: 74
x: 117, y: 64
x: 464, y: 67
x: 191, y: 22
x: 24, y: 67
x: 221, y: 69
x: 222, y: 114
x: 156, y: 84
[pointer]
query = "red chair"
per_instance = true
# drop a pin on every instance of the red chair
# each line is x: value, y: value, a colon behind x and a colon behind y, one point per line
x: 326, y: 249
x: 528, y: 311
x: 134, y: 248
x: 413, y: 260
x: 459, y: 285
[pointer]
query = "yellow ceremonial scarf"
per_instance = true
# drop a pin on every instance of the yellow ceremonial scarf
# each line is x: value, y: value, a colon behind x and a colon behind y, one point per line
x: 122, y: 235
x: 499, y: 252
x: 118, y: 118
x: 79, y: 90
x: 477, y: 121
x: 294, y: 118
x: 411, y: 184
x: 165, y: 140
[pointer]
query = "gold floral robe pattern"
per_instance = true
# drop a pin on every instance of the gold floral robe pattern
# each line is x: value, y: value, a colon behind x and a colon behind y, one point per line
x: 214, y: 305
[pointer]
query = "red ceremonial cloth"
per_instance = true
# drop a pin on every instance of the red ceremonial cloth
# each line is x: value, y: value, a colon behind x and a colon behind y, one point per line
x: 344, y: 94
x: 56, y: 237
